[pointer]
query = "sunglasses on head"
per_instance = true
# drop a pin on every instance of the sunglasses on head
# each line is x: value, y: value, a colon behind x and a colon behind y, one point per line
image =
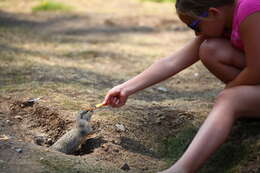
x: 194, y: 25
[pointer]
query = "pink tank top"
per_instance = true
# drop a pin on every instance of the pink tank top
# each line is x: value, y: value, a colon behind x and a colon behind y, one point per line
x: 243, y: 8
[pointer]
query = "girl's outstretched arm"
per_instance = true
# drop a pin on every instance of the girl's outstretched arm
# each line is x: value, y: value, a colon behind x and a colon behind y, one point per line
x: 249, y: 31
x: 157, y: 72
x: 166, y: 67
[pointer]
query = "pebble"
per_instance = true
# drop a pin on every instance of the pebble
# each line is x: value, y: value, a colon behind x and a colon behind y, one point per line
x: 39, y: 140
x: 2, y: 124
x: 178, y: 81
x: 158, y: 121
x: 125, y: 167
x: 49, y: 141
x: 145, y: 168
x: 105, y: 147
x: 18, y: 117
x: 2, y: 162
x: 116, y: 150
x: 196, y: 74
x: 120, y: 127
x: 116, y: 141
x: 4, y: 138
x: 18, y: 150
x: 162, y: 89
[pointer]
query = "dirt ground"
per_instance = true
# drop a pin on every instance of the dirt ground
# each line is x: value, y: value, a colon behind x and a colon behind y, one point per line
x: 71, y: 59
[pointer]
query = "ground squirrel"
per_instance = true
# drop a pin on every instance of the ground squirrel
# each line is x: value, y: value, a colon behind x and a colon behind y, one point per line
x: 72, y: 140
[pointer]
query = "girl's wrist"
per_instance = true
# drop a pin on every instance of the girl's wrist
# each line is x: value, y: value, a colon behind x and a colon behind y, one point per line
x: 126, y: 89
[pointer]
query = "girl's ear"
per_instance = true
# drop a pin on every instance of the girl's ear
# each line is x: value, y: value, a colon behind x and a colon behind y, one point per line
x: 214, y: 13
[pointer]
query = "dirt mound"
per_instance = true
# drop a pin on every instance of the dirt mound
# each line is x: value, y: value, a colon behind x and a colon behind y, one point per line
x: 39, y: 118
x: 49, y: 121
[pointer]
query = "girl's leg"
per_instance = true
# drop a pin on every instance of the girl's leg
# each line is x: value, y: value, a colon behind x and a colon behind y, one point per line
x: 232, y: 103
x: 225, y: 62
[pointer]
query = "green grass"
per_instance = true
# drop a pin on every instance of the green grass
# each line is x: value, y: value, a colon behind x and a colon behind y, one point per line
x: 51, y: 6
x: 175, y: 146
x: 233, y: 155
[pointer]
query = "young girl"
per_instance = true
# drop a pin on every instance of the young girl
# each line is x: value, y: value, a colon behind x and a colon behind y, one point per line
x: 228, y: 43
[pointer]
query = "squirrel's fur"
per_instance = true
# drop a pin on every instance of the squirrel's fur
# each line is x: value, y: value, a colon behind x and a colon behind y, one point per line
x: 72, y: 140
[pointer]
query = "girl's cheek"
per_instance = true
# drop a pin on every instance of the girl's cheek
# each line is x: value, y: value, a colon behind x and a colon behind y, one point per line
x: 211, y: 31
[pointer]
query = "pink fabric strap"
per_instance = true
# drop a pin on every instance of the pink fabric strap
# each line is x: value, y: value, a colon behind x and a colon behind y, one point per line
x: 243, y: 9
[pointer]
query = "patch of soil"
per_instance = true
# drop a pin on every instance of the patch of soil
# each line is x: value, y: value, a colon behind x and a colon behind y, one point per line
x: 39, y: 119
x: 44, y: 125
x: 138, y: 143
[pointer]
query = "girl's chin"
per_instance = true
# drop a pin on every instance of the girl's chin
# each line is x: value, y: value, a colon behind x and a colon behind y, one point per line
x: 213, y: 35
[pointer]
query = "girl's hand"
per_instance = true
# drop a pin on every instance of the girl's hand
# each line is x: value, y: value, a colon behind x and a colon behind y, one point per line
x: 116, y: 97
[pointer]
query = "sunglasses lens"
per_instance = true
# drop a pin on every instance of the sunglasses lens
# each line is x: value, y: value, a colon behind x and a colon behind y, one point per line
x: 194, y: 26
x: 195, y: 23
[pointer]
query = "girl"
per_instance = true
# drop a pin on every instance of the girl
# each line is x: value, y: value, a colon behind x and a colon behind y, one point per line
x: 228, y: 43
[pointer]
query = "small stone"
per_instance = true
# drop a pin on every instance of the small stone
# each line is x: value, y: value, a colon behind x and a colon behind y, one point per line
x: 125, y: 167
x: 39, y: 140
x: 158, y: 120
x: 162, y: 89
x: 2, y: 124
x: 49, y: 141
x: 109, y: 22
x: 2, y: 162
x: 4, y: 138
x: 105, y: 147
x: 41, y: 159
x: 120, y: 127
x: 7, y: 121
x: 18, y: 150
x: 18, y: 117
x: 30, y: 102
x: 116, y: 141
x: 145, y: 168
x: 196, y: 74
x: 116, y: 150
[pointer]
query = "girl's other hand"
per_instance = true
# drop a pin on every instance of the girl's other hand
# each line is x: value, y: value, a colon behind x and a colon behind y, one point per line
x: 116, y: 97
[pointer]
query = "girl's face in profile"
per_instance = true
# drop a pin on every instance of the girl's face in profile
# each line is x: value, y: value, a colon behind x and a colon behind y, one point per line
x: 210, y: 24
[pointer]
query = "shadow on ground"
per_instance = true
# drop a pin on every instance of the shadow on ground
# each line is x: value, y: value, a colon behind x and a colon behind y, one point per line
x: 233, y: 155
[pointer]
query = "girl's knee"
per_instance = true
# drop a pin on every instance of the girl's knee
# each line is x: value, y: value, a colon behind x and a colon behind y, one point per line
x: 213, y: 50
x: 225, y: 96
x: 230, y: 99
x: 208, y: 49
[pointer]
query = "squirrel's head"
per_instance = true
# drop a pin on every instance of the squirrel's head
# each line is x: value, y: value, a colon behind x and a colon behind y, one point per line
x: 85, y: 114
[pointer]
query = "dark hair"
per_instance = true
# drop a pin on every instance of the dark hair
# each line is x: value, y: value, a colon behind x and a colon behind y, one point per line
x: 195, y: 8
